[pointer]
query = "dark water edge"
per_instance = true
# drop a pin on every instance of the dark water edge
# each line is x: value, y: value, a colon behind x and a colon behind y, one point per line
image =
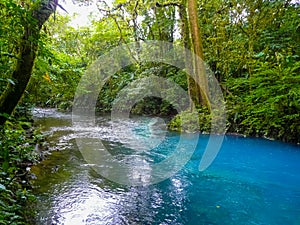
x: 252, y: 181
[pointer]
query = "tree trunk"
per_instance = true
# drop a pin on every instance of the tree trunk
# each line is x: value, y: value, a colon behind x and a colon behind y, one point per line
x: 199, y: 67
x: 185, y: 34
x: 27, y: 54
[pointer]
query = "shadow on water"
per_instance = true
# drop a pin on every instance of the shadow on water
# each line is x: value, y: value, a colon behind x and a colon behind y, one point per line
x: 252, y: 181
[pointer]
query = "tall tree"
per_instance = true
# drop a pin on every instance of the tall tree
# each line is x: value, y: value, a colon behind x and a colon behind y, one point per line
x: 26, y: 54
x: 199, y: 67
x: 191, y: 37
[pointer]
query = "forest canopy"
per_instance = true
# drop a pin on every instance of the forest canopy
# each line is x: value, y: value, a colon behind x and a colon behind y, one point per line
x: 251, y: 46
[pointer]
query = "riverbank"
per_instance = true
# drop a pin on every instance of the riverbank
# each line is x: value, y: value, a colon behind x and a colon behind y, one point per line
x: 18, y: 142
x: 202, y: 124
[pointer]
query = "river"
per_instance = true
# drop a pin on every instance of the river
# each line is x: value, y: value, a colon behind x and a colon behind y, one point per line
x: 252, y: 180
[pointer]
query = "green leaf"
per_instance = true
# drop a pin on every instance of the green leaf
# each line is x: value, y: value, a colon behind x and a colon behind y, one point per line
x: 261, y: 54
x: 11, y: 81
x: 2, y: 187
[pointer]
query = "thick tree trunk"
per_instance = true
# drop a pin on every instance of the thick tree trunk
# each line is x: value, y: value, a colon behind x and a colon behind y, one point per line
x: 199, y: 67
x: 185, y: 33
x: 27, y: 53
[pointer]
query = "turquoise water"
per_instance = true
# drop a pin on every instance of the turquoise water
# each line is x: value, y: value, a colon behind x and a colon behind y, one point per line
x: 252, y: 181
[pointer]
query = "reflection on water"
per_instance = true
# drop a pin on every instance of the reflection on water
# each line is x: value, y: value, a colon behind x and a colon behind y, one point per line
x: 252, y: 181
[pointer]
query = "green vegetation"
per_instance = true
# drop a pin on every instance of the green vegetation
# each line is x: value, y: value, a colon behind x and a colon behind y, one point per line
x: 17, y: 142
x: 254, y: 57
x: 253, y: 47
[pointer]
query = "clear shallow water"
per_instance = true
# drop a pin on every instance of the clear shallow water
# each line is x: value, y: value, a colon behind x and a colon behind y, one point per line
x: 252, y: 181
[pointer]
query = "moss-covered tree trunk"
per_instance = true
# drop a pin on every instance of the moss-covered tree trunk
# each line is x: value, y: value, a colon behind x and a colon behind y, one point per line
x: 26, y: 56
x: 201, y: 93
x: 185, y: 34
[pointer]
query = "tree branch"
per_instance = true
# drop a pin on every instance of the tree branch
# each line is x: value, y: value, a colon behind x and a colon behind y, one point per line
x: 168, y: 4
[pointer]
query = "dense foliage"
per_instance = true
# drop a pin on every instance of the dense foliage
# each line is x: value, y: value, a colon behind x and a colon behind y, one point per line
x: 30, y: 20
x: 253, y: 49
x: 17, y: 143
x: 254, y: 57
x: 20, y: 24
